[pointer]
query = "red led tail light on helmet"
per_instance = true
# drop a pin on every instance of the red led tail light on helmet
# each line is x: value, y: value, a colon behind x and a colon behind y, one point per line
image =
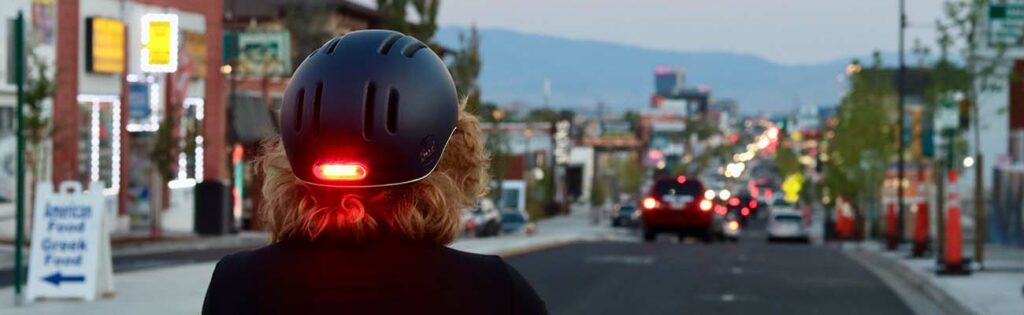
x: 340, y: 171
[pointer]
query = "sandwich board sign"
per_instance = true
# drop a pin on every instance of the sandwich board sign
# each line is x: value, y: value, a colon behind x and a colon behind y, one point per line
x: 70, y: 254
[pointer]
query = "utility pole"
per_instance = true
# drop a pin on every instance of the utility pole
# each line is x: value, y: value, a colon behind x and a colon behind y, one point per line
x: 19, y: 204
x: 979, y: 165
x: 901, y: 93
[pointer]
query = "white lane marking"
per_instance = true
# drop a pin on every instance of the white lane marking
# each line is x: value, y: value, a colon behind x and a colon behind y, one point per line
x: 728, y: 297
x: 621, y: 259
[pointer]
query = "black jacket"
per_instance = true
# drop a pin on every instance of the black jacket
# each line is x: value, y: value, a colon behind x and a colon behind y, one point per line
x: 386, y: 276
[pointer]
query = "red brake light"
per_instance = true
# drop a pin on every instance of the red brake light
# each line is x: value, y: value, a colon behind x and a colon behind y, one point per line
x: 340, y: 171
x: 753, y: 203
x: 650, y: 203
x: 681, y: 179
x: 745, y: 211
x: 734, y: 201
x: 721, y: 210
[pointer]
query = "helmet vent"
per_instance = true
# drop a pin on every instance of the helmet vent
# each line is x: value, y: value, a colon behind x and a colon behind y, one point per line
x: 298, y: 109
x: 334, y: 44
x: 388, y: 43
x: 392, y: 124
x: 368, y: 101
x: 412, y: 49
x: 316, y: 106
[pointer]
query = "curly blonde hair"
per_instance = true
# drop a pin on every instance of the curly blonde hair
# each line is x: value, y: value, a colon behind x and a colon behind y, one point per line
x: 428, y: 209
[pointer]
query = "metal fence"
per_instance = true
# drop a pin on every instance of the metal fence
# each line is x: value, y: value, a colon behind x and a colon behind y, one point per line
x: 1006, y: 219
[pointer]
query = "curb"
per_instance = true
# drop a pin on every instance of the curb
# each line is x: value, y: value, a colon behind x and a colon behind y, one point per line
x: 167, y: 246
x: 912, y: 278
x: 535, y: 248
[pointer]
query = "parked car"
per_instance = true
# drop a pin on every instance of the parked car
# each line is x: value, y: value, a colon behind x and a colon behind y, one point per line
x: 787, y: 225
x: 625, y: 215
x: 677, y: 205
x: 516, y: 222
x: 482, y: 220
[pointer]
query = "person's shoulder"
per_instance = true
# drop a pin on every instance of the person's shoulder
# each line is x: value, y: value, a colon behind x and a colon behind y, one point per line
x: 242, y: 259
x: 509, y: 282
x: 492, y: 261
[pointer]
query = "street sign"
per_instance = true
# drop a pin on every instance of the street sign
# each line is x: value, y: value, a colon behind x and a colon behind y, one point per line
x: 1006, y: 23
x: 70, y: 255
x: 792, y: 186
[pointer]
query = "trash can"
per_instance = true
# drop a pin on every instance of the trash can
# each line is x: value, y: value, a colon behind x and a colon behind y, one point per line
x: 213, y: 205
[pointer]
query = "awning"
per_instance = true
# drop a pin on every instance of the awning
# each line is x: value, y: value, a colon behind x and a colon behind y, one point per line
x: 252, y: 121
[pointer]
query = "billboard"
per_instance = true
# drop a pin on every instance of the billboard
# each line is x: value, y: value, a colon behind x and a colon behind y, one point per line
x: 264, y: 53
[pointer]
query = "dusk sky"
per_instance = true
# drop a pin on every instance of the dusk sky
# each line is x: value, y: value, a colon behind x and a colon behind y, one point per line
x: 784, y: 31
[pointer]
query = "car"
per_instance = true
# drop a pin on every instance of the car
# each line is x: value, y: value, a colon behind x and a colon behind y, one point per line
x: 516, y: 222
x: 468, y: 222
x: 739, y: 207
x: 782, y: 205
x: 787, y: 225
x: 625, y: 215
x: 482, y: 220
x: 677, y: 205
x: 731, y: 228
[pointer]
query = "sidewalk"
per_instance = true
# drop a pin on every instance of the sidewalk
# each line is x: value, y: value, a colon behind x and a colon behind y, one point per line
x: 180, y: 289
x: 138, y: 244
x: 999, y: 289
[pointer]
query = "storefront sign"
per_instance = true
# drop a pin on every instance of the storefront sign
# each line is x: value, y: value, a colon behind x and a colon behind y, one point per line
x: 42, y: 22
x: 139, y: 107
x: 264, y: 53
x: 1006, y: 23
x: 195, y: 49
x: 159, y: 43
x: 70, y: 255
x: 104, y: 45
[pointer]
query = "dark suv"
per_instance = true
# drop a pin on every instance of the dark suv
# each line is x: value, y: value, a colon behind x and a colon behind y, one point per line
x: 677, y: 205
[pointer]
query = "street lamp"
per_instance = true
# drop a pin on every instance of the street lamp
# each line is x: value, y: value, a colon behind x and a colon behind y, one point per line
x: 968, y: 162
x: 498, y: 114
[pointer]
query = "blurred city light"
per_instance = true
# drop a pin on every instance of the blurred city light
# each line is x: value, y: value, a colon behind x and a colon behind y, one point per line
x: 968, y: 161
x: 724, y: 194
x: 709, y: 194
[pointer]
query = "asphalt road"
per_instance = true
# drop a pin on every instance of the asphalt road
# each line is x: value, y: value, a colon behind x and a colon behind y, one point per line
x: 667, y: 277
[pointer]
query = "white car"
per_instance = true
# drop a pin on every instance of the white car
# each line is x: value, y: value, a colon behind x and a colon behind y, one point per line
x: 787, y: 225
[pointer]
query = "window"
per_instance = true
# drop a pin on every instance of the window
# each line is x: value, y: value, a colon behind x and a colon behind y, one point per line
x: 671, y: 187
x: 99, y: 145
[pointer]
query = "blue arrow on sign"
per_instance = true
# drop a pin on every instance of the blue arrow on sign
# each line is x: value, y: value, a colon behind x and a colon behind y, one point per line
x: 56, y: 278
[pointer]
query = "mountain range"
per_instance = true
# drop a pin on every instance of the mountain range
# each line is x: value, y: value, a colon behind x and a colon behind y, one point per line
x: 586, y: 72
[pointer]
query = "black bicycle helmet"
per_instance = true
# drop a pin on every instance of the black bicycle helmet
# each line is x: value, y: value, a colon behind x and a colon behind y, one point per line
x: 370, y: 108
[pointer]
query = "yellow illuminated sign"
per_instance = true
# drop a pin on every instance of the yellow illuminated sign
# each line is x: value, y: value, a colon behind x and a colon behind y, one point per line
x: 159, y: 43
x: 792, y: 186
x: 104, y: 45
